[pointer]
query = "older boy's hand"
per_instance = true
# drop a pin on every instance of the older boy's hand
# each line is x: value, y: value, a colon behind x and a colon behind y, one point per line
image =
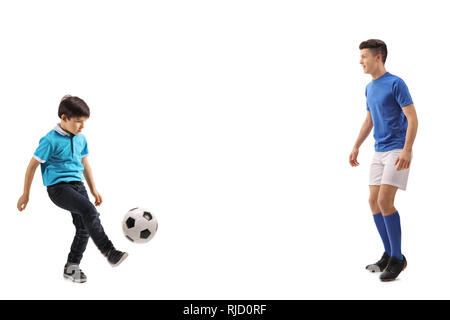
x: 22, y: 203
x: 403, y: 160
x: 353, y: 157
x: 98, y: 197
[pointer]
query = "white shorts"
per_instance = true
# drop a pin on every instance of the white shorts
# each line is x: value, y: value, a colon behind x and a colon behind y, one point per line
x: 383, y: 170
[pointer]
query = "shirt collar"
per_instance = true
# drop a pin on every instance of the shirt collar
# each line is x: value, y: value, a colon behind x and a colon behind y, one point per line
x: 60, y: 130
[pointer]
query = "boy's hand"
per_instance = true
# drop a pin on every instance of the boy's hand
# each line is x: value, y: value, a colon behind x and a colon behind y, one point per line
x: 97, y: 196
x: 353, y: 157
x: 403, y: 160
x: 22, y: 203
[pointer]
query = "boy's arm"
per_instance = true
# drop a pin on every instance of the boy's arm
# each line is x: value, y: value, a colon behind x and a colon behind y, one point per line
x: 404, y: 158
x: 29, y: 175
x: 90, y: 181
x: 363, y: 134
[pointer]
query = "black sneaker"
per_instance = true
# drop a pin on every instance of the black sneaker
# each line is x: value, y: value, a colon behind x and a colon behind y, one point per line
x: 115, y: 257
x: 74, y: 273
x: 380, y: 265
x: 395, y: 266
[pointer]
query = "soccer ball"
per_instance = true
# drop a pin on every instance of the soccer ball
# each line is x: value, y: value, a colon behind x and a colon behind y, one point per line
x: 139, y: 225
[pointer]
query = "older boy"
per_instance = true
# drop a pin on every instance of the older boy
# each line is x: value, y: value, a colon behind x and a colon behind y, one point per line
x: 391, y: 112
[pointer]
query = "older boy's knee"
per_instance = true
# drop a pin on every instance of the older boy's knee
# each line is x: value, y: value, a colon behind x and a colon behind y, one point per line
x: 385, y: 203
x: 373, y: 203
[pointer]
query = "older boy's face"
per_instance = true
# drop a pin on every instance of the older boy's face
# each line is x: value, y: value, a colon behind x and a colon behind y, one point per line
x: 73, y: 125
x: 368, y: 61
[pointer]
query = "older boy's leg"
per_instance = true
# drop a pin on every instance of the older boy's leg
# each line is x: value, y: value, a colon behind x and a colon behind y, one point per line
x: 378, y: 218
x: 391, y: 217
x: 397, y: 262
x: 381, y: 227
x: 375, y: 177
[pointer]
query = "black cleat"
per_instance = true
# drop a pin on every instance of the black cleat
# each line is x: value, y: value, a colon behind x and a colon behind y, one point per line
x: 74, y: 273
x: 380, y: 265
x: 115, y: 257
x: 395, y: 266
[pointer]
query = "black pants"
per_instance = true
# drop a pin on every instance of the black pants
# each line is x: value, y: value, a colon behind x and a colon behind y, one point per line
x: 72, y: 196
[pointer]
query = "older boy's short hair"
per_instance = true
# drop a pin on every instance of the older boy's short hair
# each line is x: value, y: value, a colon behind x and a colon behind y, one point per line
x: 376, y: 47
x: 73, y: 107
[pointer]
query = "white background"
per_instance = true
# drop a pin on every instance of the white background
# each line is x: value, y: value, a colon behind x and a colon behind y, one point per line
x: 232, y: 121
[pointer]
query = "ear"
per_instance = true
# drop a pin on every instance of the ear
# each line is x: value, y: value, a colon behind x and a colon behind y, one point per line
x: 64, y: 118
x: 380, y: 57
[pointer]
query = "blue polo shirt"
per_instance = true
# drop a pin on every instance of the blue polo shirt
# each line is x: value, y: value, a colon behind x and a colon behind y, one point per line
x: 386, y: 96
x: 60, y: 154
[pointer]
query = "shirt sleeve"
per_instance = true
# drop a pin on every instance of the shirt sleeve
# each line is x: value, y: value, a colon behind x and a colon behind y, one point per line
x: 367, y: 105
x: 401, y: 93
x: 85, y: 150
x: 43, y: 151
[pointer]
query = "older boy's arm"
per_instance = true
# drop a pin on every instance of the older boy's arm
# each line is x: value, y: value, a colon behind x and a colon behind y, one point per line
x: 363, y: 134
x: 90, y: 181
x: 404, y: 158
x: 413, y: 123
x: 29, y: 175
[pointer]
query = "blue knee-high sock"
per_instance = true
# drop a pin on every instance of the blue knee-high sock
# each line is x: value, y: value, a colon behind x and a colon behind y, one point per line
x: 379, y: 222
x: 394, y: 231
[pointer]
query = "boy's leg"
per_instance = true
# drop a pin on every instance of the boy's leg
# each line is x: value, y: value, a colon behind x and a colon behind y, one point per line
x: 115, y: 257
x: 80, y: 240
x: 73, y: 197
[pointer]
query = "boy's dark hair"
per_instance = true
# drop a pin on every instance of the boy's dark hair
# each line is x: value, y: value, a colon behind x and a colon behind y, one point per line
x: 73, y: 107
x: 376, y: 47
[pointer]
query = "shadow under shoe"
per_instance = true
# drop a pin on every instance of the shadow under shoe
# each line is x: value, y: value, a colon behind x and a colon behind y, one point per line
x: 380, y: 265
x: 395, y: 266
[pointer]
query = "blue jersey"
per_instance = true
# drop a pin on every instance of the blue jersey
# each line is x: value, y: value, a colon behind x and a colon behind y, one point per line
x: 386, y: 96
x: 60, y: 154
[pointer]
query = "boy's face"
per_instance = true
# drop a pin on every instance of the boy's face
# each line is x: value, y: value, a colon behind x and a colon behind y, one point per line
x: 73, y: 125
x: 368, y: 61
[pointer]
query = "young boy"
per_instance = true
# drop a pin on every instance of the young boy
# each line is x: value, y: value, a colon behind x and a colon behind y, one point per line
x: 62, y: 154
x: 391, y: 112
